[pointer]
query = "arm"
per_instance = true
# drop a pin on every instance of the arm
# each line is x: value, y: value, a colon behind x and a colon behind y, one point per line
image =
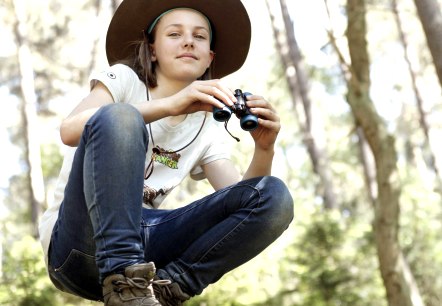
x: 72, y: 126
x: 222, y: 173
x: 264, y: 136
x: 198, y: 96
x: 261, y: 164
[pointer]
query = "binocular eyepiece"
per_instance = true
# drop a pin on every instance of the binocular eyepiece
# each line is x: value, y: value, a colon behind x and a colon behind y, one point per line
x: 248, y: 121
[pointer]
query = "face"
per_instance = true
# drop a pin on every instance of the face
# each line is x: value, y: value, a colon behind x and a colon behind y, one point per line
x: 181, y: 49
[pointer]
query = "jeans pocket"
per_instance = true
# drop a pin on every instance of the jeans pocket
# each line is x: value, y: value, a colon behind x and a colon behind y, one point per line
x: 78, y: 275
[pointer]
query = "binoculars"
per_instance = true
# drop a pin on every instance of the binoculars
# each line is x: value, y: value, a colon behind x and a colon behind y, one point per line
x: 247, y: 120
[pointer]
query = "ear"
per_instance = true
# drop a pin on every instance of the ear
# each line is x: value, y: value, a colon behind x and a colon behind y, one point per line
x: 153, y: 56
x: 212, y: 56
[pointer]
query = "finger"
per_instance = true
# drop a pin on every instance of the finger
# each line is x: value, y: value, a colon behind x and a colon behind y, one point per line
x: 258, y: 102
x: 221, y: 95
x: 269, y: 125
x: 207, y: 98
x: 204, y: 96
x: 265, y: 113
x: 220, y: 91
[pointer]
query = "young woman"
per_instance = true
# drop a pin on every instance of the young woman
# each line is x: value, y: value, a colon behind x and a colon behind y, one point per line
x: 145, y: 125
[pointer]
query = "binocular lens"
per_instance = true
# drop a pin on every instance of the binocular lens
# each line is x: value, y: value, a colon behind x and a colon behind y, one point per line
x: 222, y: 114
x: 249, y: 122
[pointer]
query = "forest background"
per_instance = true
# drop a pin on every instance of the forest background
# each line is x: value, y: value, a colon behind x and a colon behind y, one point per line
x: 357, y: 84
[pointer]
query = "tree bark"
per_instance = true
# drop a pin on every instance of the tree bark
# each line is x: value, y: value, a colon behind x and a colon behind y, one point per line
x: 94, y: 51
x: 431, y: 20
x: 366, y: 158
x: 29, y: 117
x: 299, y: 86
x: 398, y: 280
x: 423, y: 122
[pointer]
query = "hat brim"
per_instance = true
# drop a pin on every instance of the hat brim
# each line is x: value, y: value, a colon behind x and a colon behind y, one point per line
x: 229, y: 20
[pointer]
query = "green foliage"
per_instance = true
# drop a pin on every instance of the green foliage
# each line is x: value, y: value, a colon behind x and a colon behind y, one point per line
x: 254, y: 283
x: 326, y: 266
x: 25, y: 281
x: 420, y: 233
x: 18, y: 205
x: 51, y: 160
x: 324, y: 258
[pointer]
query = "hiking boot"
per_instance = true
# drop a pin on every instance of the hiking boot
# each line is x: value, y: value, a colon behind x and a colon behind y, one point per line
x: 134, y: 288
x: 169, y: 294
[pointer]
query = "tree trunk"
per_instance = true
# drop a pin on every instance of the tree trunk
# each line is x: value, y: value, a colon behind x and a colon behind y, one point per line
x: 94, y: 51
x: 431, y: 19
x: 423, y: 122
x: 29, y: 117
x: 298, y: 85
x: 398, y: 280
x: 366, y: 158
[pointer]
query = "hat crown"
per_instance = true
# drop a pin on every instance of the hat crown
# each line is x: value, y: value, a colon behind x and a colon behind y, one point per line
x: 229, y: 21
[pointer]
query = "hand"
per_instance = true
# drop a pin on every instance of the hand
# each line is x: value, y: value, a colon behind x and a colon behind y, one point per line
x: 201, y: 96
x: 268, y: 122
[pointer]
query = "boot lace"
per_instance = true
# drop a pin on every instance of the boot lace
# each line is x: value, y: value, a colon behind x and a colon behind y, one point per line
x: 136, y: 283
x: 169, y: 295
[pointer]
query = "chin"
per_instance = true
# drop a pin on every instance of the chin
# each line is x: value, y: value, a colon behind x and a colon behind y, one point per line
x: 191, y: 76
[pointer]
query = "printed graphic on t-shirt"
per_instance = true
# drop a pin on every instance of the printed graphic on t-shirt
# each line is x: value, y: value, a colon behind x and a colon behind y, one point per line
x: 166, y: 157
x: 150, y: 194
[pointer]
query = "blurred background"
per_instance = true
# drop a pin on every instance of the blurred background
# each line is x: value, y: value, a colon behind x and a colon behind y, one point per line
x: 357, y: 84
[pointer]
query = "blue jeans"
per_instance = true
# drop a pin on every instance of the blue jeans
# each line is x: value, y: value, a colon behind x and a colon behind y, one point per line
x: 103, y: 228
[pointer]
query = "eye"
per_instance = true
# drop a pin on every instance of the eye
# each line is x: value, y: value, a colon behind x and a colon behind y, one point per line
x: 200, y: 36
x: 174, y: 34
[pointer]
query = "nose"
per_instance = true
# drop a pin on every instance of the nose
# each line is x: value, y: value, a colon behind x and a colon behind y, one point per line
x: 188, y: 40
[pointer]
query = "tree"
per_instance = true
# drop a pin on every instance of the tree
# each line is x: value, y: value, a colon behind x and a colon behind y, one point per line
x: 29, y: 115
x: 423, y: 120
x: 431, y: 19
x: 397, y: 277
x: 298, y: 83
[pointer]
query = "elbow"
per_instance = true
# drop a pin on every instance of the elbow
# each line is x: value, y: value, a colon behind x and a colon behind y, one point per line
x: 68, y: 136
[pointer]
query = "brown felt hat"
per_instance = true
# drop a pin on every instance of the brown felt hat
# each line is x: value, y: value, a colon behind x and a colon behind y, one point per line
x: 230, y: 25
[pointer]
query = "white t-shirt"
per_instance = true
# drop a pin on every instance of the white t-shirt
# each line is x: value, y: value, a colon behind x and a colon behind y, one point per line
x: 169, y: 169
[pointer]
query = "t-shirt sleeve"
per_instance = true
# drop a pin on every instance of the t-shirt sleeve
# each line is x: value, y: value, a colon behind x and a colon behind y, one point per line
x: 118, y: 79
x: 217, y: 148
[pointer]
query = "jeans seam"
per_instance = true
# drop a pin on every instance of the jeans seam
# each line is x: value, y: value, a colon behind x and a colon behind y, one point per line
x: 220, y: 242
x: 206, y: 199
x: 92, y: 143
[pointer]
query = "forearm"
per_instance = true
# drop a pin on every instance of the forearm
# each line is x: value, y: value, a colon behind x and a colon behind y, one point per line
x: 153, y: 110
x: 72, y: 127
x: 261, y: 164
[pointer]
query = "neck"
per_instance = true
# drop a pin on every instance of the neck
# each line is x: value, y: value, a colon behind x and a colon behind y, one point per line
x: 166, y: 88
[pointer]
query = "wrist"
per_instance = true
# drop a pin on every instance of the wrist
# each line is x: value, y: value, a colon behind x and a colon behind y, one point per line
x: 165, y: 107
x: 270, y: 150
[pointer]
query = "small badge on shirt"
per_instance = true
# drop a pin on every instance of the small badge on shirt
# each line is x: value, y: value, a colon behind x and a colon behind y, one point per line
x: 112, y: 75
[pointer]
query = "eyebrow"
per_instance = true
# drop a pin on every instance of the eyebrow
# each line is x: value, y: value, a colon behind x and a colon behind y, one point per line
x: 180, y: 26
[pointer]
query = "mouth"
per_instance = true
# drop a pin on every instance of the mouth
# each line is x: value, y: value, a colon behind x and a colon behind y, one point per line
x: 187, y: 55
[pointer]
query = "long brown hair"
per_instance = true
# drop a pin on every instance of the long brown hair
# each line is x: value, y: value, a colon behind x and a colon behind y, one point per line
x: 143, y: 66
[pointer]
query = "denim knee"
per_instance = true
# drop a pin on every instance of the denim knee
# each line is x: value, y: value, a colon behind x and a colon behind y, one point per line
x: 124, y: 115
x: 122, y: 122
x: 278, y: 203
